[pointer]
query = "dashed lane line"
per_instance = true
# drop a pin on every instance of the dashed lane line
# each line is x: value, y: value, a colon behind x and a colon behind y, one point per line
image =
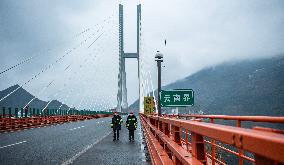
x: 72, y: 129
x: 13, y: 144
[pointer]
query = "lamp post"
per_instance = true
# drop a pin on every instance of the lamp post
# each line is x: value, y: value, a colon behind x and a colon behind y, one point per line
x: 159, y: 59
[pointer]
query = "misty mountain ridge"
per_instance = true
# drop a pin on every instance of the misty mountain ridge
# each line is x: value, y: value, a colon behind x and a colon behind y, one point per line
x: 249, y: 87
x: 21, y: 97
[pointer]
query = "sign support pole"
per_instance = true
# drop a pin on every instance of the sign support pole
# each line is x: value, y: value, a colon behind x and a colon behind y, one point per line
x: 159, y: 59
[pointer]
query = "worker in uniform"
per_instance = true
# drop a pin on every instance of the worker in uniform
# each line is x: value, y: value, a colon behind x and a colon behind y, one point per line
x: 116, y: 125
x: 131, y: 124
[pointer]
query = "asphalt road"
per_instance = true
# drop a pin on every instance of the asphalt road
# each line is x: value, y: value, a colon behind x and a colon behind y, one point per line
x: 51, y: 144
x: 122, y: 152
x: 83, y: 142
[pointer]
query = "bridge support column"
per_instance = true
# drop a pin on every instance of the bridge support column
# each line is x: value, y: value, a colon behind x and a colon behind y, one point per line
x: 122, y: 104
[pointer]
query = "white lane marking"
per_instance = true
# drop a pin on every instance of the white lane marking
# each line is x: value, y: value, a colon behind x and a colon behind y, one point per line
x: 13, y: 144
x: 71, y: 160
x: 72, y: 129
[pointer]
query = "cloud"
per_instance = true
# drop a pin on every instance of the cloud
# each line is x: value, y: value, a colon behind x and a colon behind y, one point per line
x: 198, y: 33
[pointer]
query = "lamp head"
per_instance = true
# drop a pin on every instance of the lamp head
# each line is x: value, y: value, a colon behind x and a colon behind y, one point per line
x: 159, y: 55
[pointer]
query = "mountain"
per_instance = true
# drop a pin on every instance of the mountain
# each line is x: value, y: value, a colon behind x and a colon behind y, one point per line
x: 21, y: 97
x: 251, y: 87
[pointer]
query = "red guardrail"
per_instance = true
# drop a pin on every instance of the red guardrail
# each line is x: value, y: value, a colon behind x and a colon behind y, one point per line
x: 14, y: 124
x: 193, y: 141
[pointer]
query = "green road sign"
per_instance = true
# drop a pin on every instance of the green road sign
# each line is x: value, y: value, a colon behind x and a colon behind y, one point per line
x: 177, y: 98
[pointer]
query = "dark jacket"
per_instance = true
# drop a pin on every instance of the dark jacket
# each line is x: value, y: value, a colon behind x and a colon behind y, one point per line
x: 116, y: 122
x: 131, y: 122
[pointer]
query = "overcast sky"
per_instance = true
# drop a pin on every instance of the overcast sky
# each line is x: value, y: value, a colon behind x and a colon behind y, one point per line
x: 199, y: 33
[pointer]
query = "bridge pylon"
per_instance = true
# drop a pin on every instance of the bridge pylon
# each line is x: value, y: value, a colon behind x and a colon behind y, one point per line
x: 122, y: 88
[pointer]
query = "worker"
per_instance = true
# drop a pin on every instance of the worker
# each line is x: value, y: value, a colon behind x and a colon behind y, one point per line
x: 131, y: 124
x: 116, y: 125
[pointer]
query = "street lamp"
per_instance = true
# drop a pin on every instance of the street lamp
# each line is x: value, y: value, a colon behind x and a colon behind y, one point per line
x: 159, y: 59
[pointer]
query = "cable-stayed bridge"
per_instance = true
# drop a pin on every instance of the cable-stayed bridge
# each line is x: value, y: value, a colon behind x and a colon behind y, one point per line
x: 80, y: 133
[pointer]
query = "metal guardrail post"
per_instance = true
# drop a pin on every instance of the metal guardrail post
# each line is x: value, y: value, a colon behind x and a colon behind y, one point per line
x: 30, y: 112
x: 34, y: 111
x: 213, y: 147
x: 25, y: 113
x: 176, y: 134
x: 175, y: 131
x: 186, y: 140
x: 241, y: 152
x: 157, y: 124
x: 16, y: 112
x: 22, y: 112
x: 197, y: 144
x: 3, y: 112
x: 10, y: 112
x: 160, y: 126
x: 166, y: 131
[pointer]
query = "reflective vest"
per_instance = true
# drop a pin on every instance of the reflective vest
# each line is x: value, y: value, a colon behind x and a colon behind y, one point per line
x: 131, y: 122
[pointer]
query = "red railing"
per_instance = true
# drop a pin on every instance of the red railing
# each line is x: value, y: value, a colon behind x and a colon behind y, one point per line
x: 14, y: 124
x: 238, y: 121
x: 194, y: 141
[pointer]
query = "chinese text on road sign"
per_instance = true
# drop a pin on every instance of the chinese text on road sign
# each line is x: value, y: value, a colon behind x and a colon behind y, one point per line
x: 177, y: 98
x: 149, y: 105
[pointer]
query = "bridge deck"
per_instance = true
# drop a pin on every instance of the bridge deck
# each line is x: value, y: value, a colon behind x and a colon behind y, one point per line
x: 108, y: 151
x: 82, y: 142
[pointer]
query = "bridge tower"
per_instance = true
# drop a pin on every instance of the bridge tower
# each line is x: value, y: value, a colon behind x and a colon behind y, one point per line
x: 122, y: 89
